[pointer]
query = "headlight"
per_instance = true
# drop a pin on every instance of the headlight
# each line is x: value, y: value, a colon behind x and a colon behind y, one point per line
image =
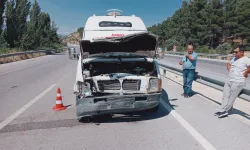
x: 85, y: 89
x: 154, y: 85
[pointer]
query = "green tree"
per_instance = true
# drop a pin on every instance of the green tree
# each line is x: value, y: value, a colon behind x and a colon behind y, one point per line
x: 80, y: 31
x: 206, y: 24
x: 10, y: 23
x: 243, y: 19
x: 41, y: 32
x: 16, y: 14
x: 169, y: 44
x: 32, y: 38
x: 230, y: 23
x: 224, y: 48
x: 44, y: 29
x: 2, y: 8
x: 53, y: 34
x: 36, y: 32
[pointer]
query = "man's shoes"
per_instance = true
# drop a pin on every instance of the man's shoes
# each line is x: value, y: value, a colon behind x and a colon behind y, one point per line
x: 217, y: 114
x: 221, y: 114
x: 185, y: 95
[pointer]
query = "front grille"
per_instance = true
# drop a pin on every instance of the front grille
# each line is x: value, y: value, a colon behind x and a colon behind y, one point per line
x: 109, y: 85
x: 131, y: 85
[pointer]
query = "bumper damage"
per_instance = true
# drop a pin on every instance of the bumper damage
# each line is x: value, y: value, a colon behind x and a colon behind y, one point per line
x: 91, y: 106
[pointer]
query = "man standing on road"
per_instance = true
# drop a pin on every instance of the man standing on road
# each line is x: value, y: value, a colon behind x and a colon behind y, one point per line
x: 189, y: 66
x: 239, y: 68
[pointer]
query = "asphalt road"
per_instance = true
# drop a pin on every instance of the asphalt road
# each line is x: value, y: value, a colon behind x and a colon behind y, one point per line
x: 28, y: 93
x: 218, y: 68
x: 207, y: 67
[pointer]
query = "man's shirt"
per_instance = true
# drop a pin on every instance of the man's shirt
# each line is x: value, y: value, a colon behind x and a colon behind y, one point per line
x: 189, y: 64
x: 238, y: 67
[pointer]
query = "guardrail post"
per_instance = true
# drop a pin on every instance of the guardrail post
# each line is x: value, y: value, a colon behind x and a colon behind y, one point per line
x: 164, y: 72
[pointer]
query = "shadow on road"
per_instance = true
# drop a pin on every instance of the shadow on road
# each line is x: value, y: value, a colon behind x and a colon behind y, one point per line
x: 59, y: 53
x: 241, y: 113
x: 72, y: 122
x: 233, y: 111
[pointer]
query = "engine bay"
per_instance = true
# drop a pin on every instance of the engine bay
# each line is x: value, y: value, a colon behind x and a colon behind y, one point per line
x: 116, y: 78
x: 135, y: 68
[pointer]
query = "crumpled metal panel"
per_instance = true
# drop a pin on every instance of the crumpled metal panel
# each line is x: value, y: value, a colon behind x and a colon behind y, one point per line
x: 116, y: 104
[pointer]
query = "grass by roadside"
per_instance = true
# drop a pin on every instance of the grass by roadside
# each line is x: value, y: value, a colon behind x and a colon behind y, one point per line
x: 26, y: 56
x: 9, y: 50
x: 20, y: 57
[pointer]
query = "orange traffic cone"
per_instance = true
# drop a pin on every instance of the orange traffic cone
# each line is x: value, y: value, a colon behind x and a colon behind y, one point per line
x: 59, y: 103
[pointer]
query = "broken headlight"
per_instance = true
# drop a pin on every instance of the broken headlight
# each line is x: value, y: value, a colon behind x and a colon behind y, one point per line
x: 154, y: 85
x: 86, y: 88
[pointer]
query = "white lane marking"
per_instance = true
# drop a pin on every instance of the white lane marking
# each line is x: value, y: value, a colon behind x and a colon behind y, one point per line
x: 26, y: 67
x: 25, y: 107
x: 189, y: 128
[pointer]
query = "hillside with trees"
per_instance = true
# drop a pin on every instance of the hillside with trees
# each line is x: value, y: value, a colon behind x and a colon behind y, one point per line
x: 74, y: 37
x: 212, y: 26
x: 25, y: 27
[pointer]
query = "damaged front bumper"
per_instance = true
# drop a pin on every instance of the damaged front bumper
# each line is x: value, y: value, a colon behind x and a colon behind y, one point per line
x: 91, y: 106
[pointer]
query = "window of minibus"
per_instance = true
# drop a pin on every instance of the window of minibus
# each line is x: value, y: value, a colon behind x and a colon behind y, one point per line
x: 114, y: 24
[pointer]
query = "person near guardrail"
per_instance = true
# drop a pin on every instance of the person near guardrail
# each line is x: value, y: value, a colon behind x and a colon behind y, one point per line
x: 69, y: 52
x: 74, y: 53
x: 238, y: 68
x: 189, y: 66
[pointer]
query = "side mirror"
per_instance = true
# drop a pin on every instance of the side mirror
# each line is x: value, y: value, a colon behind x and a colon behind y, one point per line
x: 160, y: 55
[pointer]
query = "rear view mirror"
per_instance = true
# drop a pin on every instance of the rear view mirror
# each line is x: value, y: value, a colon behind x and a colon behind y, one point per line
x: 160, y: 54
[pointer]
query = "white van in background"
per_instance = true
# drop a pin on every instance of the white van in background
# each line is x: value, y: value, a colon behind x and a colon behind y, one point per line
x: 116, y: 71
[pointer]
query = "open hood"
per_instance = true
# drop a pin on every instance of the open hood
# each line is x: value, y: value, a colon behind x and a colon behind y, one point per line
x: 143, y: 43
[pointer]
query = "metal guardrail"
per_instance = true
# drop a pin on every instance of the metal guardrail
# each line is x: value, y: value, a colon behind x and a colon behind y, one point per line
x: 200, y: 54
x: 215, y: 56
x: 207, y: 80
x: 28, y: 52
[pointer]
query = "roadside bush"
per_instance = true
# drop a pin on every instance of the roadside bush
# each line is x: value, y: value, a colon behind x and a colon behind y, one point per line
x: 205, y: 49
x: 224, y: 48
x: 169, y: 44
x: 9, y: 50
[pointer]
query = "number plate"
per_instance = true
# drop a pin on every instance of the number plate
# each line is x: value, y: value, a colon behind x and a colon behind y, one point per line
x: 122, y: 105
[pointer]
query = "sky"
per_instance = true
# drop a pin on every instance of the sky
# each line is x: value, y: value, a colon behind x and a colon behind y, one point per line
x: 69, y: 15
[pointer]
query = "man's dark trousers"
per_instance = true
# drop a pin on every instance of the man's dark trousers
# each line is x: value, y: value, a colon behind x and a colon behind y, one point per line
x: 188, y: 78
